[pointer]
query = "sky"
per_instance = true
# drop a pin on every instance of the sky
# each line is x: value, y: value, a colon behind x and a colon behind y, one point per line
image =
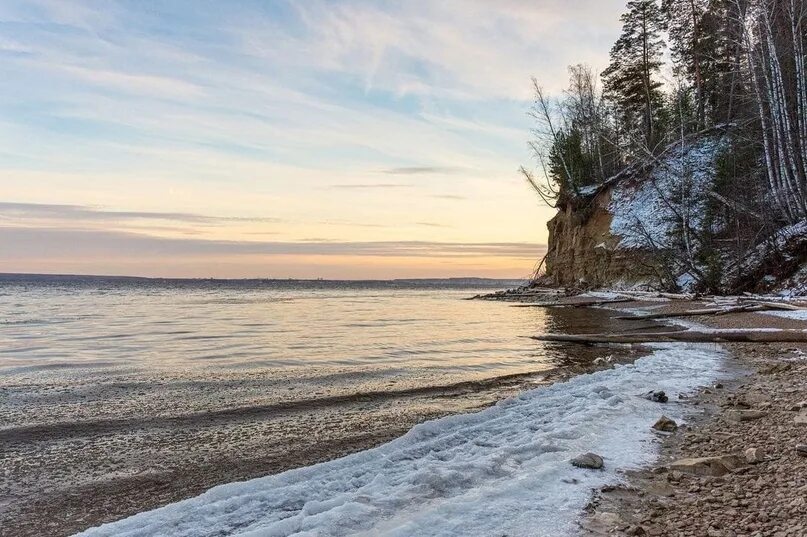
x: 284, y: 139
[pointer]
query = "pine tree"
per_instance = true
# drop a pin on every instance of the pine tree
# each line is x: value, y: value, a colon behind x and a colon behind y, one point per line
x: 705, y: 38
x: 630, y: 79
x: 690, y: 45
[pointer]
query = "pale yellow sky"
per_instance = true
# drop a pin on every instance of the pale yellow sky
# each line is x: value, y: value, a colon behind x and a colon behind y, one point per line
x: 343, y: 139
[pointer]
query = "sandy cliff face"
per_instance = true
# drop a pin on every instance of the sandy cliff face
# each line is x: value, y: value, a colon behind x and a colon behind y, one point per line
x: 626, y: 232
x: 584, y: 252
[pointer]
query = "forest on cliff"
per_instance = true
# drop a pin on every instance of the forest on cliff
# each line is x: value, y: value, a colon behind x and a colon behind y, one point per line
x: 683, y: 71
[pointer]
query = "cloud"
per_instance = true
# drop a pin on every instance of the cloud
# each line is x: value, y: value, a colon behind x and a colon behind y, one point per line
x: 421, y: 170
x: 450, y: 197
x: 362, y: 186
x: 462, y: 49
x: 138, y: 84
x: 430, y: 224
x: 42, y: 211
x: 19, y: 243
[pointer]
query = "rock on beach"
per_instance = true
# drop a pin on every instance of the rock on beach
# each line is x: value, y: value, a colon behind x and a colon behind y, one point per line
x: 588, y: 460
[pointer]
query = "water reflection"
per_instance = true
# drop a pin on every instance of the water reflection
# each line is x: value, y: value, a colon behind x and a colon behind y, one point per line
x: 116, y: 398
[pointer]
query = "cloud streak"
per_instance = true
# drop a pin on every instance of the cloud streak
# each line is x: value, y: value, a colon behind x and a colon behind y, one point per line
x: 47, y: 212
x: 421, y: 170
x: 17, y: 243
x: 369, y: 186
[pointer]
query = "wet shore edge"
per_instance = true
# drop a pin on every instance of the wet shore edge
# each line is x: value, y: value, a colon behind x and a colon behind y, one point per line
x: 752, y: 425
x: 82, y: 492
x: 738, y: 466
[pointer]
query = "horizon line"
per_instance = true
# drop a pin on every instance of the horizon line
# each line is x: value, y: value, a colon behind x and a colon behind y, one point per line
x: 256, y: 278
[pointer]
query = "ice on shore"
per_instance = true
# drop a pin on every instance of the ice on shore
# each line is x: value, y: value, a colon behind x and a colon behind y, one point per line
x: 799, y: 315
x: 501, y: 471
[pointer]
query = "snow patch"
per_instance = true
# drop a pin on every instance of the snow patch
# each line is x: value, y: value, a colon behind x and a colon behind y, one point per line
x: 588, y: 190
x: 643, y: 215
x: 504, y: 470
x: 799, y: 315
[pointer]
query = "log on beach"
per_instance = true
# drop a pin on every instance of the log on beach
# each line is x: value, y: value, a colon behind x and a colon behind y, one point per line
x: 572, y: 304
x: 780, y: 306
x: 693, y: 313
x: 720, y: 310
x: 692, y: 336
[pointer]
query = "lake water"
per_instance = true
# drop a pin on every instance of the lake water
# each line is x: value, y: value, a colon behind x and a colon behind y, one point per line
x: 120, y: 396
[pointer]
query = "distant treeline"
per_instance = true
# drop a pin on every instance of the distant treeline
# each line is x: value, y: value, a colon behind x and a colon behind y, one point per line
x: 96, y: 281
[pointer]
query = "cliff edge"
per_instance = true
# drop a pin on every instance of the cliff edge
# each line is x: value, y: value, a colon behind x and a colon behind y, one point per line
x: 666, y: 223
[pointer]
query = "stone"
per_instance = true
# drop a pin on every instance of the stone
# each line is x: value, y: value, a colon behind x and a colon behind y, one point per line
x: 745, y: 415
x: 798, y: 406
x: 588, y: 460
x: 754, y: 455
x: 657, y: 397
x: 636, y: 530
x: 665, y: 424
x: 674, y: 476
x: 601, y: 522
x: 801, y: 449
x: 708, y: 466
x: 801, y: 417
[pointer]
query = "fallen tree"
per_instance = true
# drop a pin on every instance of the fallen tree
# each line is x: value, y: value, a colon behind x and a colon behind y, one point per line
x: 691, y: 336
x: 719, y: 310
x: 574, y: 304
x: 692, y: 313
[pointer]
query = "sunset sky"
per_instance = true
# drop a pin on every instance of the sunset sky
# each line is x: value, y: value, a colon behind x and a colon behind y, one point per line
x: 339, y: 139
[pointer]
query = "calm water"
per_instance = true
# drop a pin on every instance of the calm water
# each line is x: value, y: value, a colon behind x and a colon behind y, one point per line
x: 342, y: 338
x: 151, y: 392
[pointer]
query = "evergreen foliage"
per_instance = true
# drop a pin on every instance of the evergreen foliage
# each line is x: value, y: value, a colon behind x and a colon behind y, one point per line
x: 736, y: 65
x: 631, y: 80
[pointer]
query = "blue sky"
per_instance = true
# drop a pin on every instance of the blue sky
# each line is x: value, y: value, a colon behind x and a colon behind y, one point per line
x: 295, y: 133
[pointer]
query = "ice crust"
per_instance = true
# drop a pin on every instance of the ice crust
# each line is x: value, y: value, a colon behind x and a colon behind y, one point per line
x: 502, y: 471
x: 799, y: 315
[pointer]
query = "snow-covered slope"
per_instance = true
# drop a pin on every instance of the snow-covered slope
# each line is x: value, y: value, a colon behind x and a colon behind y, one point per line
x: 502, y: 471
x: 645, y: 211
x: 617, y: 234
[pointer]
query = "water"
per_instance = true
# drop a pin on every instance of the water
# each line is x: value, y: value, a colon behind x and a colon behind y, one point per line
x: 192, y: 328
x: 121, y: 395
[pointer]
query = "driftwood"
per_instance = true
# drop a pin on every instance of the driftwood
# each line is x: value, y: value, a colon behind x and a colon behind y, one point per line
x: 581, y: 304
x: 659, y: 294
x: 780, y: 306
x: 694, y: 313
x: 513, y: 295
x: 720, y: 310
x: 694, y: 336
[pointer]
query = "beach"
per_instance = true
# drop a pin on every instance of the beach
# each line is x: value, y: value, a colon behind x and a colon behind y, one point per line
x: 118, y: 399
x: 755, y: 415
x: 413, y: 437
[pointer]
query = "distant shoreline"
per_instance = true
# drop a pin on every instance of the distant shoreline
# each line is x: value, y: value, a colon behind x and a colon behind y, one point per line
x: 425, y: 282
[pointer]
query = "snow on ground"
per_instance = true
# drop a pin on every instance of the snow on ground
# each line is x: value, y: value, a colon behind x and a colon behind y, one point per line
x: 647, y: 211
x: 800, y: 315
x: 605, y: 295
x: 502, y: 471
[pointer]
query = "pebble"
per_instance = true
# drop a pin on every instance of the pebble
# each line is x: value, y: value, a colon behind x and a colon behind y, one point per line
x: 754, y: 455
x: 765, y: 495
x: 665, y: 424
x: 588, y: 460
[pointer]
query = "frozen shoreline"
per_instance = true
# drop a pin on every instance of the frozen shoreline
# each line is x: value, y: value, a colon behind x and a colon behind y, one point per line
x: 504, y: 469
